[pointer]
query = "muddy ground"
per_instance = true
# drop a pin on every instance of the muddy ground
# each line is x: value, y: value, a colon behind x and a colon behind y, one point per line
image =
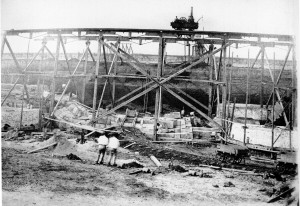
x: 45, y: 178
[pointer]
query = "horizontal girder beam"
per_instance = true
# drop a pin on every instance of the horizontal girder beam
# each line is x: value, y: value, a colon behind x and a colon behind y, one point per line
x: 150, y: 32
x: 215, y: 41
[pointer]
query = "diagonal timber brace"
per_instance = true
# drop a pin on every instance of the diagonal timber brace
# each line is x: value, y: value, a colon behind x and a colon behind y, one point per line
x: 276, y: 91
x: 160, y: 83
x: 16, y: 63
x: 105, y: 84
x: 66, y: 58
x: 69, y: 81
x: 279, y: 76
x: 20, y: 76
x: 149, y: 83
x: 154, y: 80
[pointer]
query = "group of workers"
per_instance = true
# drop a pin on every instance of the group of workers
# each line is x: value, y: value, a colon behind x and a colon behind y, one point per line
x: 109, y: 143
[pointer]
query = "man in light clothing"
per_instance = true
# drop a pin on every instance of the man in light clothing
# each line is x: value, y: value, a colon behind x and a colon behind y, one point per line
x: 102, y: 142
x: 113, y: 144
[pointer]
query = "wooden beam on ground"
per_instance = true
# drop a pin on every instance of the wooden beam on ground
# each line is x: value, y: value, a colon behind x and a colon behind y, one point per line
x: 85, y: 127
x: 278, y: 197
x: 45, y: 147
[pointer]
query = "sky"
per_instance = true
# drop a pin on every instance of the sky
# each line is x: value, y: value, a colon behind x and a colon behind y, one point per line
x: 260, y: 16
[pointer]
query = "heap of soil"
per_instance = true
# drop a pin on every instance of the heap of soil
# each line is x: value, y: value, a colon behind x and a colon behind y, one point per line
x: 64, y: 147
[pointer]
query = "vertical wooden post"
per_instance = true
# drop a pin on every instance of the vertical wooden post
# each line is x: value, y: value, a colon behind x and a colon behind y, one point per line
x: 189, y: 50
x: 224, y: 94
x: 106, y: 72
x: 229, y: 86
x: 157, y: 97
x: 193, y: 51
x: 261, y: 81
x: 85, y: 72
x: 210, y: 87
x: 246, y: 104
x: 115, y: 68
x: 163, y: 59
x: 39, y: 90
x: 96, y: 80
x: 273, y: 104
x: 54, y: 74
x: 22, y: 107
x: 40, y: 67
x: 293, y: 115
x: 184, y: 49
x: 230, y: 56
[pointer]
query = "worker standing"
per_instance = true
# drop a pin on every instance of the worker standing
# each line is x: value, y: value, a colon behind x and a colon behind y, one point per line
x: 102, y: 142
x: 113, y: 144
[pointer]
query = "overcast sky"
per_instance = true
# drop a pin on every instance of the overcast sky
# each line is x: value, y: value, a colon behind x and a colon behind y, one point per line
x: 261, y: 16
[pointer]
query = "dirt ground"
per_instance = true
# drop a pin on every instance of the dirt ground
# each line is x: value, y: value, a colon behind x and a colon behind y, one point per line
x: 45, y: 178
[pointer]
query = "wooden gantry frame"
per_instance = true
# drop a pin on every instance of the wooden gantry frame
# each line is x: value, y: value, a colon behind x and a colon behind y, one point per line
x: 110, y: 39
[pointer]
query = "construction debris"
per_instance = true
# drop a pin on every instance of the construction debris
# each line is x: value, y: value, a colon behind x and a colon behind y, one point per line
x: 155, y: 161
x: 228, y: 184
x: 124, y: 164
x: 144, y: 170
x: 177, y: 168
x: 282, y: 195
x: 129, y: 145
x: 73, y: 157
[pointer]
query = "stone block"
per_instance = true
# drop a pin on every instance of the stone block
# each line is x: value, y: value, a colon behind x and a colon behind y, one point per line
x: 175, y: 115
x: 177, y: 130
